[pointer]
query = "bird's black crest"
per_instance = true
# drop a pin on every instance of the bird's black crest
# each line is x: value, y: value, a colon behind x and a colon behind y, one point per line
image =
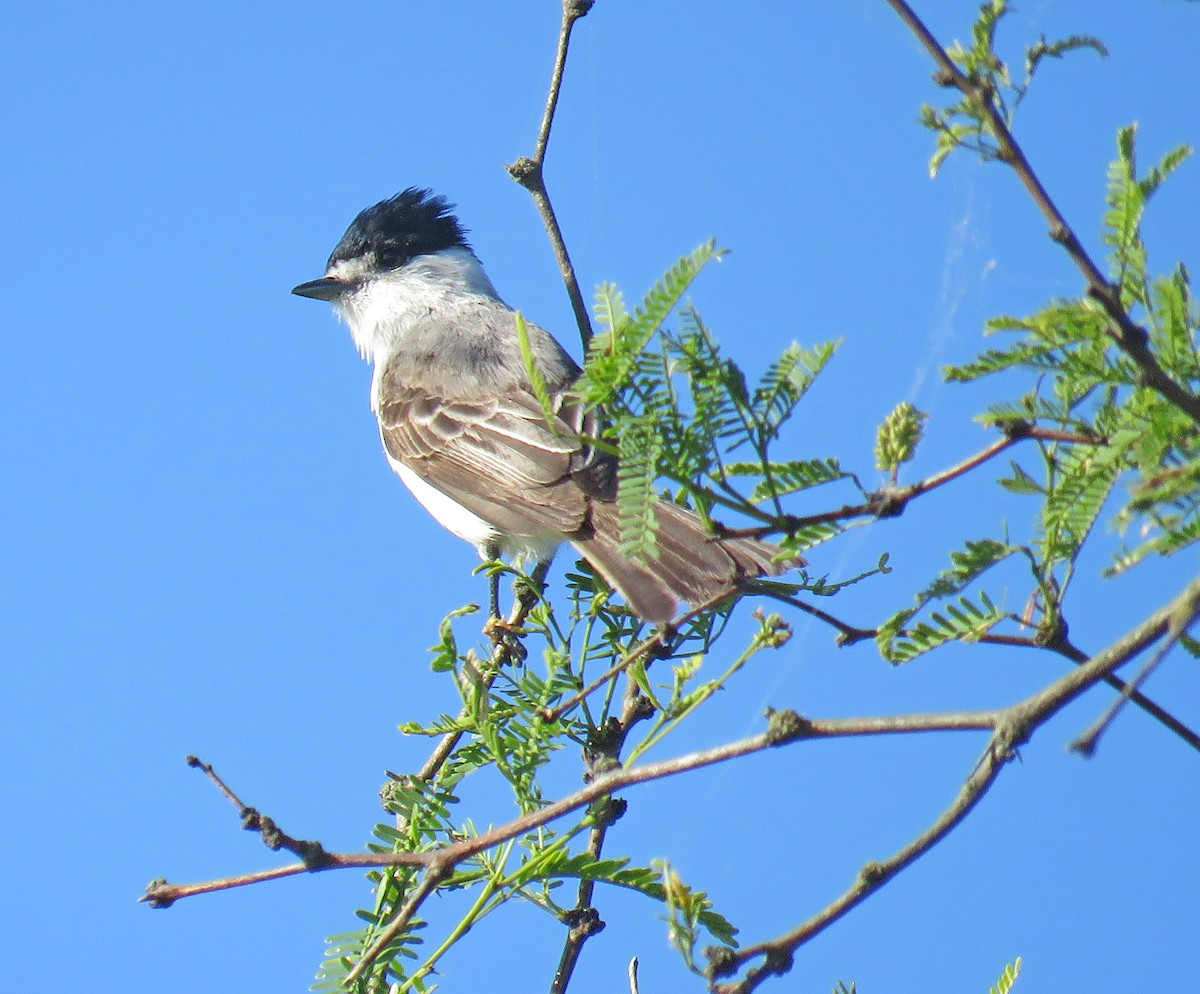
x: 414, y: 222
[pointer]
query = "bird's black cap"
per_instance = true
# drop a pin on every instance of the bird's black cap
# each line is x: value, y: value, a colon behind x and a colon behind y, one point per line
x: 414, y: 222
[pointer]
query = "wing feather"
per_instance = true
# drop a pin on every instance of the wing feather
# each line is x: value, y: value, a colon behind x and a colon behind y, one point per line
x: 498, y: 457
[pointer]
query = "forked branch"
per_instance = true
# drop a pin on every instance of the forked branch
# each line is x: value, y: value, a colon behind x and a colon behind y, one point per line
x: 1128, y: 335
x: 529, y: 171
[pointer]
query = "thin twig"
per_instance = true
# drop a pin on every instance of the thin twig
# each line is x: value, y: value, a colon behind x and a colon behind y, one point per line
x: 162, y: 893
x: 530, y: 171
x: 275, y: 838
x: 1064, y: 648
x: 1086, y: 743
x: 891, y: 501
x: 1013, y: 726
x: 850, y: 634
x: 847, y: 634
x: 584, y: 922
x: 1129, y: 336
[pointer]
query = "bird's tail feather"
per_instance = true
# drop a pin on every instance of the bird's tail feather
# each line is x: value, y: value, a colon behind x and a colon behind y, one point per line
x: 692, y: 565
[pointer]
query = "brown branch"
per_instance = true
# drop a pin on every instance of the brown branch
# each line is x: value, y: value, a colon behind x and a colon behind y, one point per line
x: 311, y: 852
x: 1128, y: 335
x: 582, y: 920
x: 847, y: 634
x: 850, y: 634
x: 1179, y: 624
x: 530, y: 171
x: 162, y: 894
x: 1013, y: 726
x: 785, y: 728
x: 435, y: 873
x: 891, y: 501
x: 1067, y: 650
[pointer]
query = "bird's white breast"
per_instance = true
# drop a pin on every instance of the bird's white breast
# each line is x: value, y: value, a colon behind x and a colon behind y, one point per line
x: 468, y: 526
x: 381, y: 312
x: 450, y: 514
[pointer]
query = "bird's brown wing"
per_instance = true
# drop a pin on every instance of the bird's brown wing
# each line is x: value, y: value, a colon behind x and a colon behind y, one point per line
x: 496, y: 455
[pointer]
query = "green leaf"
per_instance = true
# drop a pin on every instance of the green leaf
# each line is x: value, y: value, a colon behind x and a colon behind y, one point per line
x: 688, y: 911
x: 964, y: 620
x: 899, y: 641
x: 783, y: 478
x: 1020, y: 482
x: 445, y: 651
x: 786, y: 381
x: 614, y: 349
x: 536, y: 380
x: 1043, y: 49
x: 1086, y: 477
x: 639, y: 448
x: 1007, y: 978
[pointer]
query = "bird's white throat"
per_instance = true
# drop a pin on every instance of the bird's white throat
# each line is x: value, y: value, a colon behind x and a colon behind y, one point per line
x: 386, y: 305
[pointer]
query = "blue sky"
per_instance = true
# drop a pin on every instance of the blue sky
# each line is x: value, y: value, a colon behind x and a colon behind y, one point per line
x: 205, y: 551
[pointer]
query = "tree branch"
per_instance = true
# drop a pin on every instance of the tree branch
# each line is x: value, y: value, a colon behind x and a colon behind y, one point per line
x: 890, y: 502
x: 530, y: 171
x: 850, y: 634
x: 583, y: 920
x: 1013, y: 727
x: 785, y: 729
x: 1179, y: 624
x: 1129, y: 336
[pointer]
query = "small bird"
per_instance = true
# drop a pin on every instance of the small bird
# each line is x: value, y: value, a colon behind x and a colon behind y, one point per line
x: 462, y: 428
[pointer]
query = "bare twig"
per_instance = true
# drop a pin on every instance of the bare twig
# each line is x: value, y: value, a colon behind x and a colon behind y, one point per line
x: 530, y: 171
x: 890, y: 502
x: 162, y: 894
x: 583, y: 920
x: 1013, y: 726
x: 1179, y: 624
x: 1129, y: 336
x: 311, y: 852
x: 850, y: 634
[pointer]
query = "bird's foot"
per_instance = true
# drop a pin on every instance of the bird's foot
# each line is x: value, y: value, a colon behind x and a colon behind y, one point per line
x: 507, y: 639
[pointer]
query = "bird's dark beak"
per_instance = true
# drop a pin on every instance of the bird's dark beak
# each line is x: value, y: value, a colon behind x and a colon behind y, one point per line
x: 326, y: 288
